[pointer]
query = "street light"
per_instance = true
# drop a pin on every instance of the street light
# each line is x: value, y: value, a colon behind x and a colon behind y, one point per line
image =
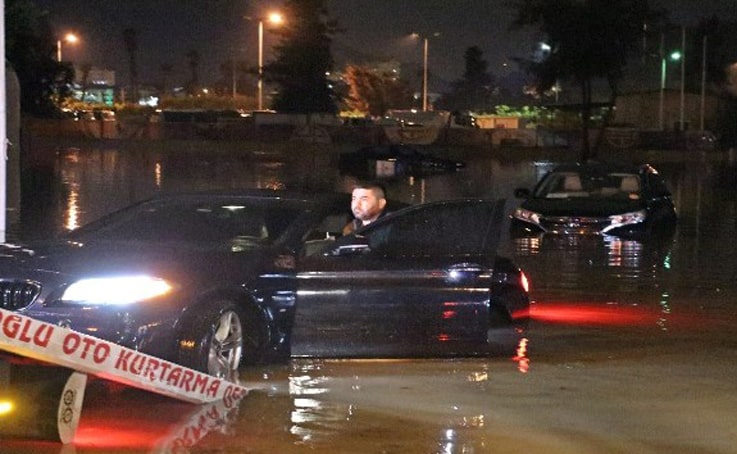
x: 674, y: 56
x: 703, y: 83
x: 70, y: 38
x: 424, y: 68
x: 424, y: 78
x: 276, y: 19
x: 683, y: 78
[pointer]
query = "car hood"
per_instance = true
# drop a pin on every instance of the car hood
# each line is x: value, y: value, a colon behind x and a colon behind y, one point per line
x: 119, y: 257
x: 582, y: 207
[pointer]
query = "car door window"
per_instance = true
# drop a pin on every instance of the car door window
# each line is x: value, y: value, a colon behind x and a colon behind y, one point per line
x: 325, y: 232
x: 442, y: 229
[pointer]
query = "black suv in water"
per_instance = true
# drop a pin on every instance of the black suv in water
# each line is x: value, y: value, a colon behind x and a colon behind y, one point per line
x: 620, y: 200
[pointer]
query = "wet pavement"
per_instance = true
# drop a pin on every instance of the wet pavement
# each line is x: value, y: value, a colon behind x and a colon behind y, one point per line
x: 632, y: 347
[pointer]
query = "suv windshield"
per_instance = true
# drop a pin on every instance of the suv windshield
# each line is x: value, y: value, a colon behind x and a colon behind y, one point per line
x: 562, y: 185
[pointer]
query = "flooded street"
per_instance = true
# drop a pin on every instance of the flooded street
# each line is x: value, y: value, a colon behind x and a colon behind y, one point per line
x: 632, y: 346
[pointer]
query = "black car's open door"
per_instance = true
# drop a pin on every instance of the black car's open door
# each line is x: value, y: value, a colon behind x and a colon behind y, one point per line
x: 415, y: 283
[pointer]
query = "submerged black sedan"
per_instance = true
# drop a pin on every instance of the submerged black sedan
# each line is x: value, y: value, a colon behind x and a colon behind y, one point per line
x: 620, y: 200
x: 214, y: 280
x: 395, y: 160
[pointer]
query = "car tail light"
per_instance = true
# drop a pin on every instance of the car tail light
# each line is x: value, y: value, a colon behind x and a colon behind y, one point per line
x: 524, y: 281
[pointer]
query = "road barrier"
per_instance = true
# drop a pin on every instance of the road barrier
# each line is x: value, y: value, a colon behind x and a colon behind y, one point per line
x: 42, y: 402
x: 86, y: 354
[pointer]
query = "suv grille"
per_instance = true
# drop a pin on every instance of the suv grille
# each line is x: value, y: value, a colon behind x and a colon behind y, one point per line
x: 580, y: 225
x: 16, y: 295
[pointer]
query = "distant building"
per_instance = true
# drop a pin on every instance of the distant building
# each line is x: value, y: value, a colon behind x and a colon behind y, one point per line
x: 94, y: 85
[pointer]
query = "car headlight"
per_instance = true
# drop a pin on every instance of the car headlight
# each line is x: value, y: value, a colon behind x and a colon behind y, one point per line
x: 634, y: 217
x: 527, y: 216
x: 115, y: 290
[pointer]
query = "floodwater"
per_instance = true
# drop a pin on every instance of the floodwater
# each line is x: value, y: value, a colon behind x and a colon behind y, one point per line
x: 632, y: 347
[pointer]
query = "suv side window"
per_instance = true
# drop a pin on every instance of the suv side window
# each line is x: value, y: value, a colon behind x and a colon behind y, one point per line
x: 657, y: 186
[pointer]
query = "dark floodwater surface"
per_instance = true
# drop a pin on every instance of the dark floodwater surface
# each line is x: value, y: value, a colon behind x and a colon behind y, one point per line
x: 632, y: 347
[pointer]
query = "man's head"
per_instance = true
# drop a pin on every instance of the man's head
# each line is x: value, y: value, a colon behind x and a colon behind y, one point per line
x: 368, y: 201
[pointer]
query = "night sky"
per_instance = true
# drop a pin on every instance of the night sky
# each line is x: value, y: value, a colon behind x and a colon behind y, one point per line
x: 374, y: 29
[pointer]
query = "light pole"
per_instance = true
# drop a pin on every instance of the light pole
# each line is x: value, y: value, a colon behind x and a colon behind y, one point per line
x: 233, y: 82
x: 683, y: 77
x: 70, y: 38
x: 674, y: 56
x: 425, y: 41
x: 274, y: 18
x: 703, y: 84
x: 424, y: 78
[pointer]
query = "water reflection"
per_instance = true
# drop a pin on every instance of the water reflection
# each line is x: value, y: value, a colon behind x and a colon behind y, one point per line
x: 594, y: 299
x: 624, y: 266
x: 337, y: 403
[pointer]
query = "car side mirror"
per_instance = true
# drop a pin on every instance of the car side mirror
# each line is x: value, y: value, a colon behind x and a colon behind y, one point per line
x: 522, y: 193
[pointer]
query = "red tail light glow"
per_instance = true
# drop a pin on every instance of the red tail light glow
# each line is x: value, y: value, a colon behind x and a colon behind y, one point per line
x: 524, y: 281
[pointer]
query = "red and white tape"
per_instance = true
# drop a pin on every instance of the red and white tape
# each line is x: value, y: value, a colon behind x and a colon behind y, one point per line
x: 53, y: 344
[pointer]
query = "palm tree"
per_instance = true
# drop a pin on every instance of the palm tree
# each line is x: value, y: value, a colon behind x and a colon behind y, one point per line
x: 166, y: 70
x: 85, y: 69
x: 193, y: 61
x: 130, y: 37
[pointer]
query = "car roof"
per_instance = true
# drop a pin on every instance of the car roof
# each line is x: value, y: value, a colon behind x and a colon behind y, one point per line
x: 302, y: 196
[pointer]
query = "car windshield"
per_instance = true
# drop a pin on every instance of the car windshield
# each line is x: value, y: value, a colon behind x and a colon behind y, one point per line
x: 239, y: 224
x: 563, y: 185
x: 407, y: 152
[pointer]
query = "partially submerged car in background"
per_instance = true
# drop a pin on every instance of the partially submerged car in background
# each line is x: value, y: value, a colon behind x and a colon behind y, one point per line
x: 395, y: 160
x: 209, y: 280
x: 627, y: 201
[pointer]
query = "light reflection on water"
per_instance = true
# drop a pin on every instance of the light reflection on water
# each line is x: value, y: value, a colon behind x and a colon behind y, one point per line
x: 328, y: 398
x: 593, y: 297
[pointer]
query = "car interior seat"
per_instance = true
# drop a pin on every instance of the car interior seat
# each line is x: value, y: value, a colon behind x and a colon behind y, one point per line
x: 629, y: 184
x: 572, y: 183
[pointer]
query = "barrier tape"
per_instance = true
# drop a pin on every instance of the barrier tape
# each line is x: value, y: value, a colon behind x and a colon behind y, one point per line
x: 64, y: 347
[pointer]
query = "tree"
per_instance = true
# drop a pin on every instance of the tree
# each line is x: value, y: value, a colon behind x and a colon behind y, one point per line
x: 374, y: 93
x: 85, y: 69
x: 193, y: 61
x: 473, y: 91
x: 589, y: 40
x: 721, y: 72
x: 166, y: 71
x: 130, y: 39
x: 234, y: 75
x: 30, y: 48
x: 303, y: 59
x: 721, y: 52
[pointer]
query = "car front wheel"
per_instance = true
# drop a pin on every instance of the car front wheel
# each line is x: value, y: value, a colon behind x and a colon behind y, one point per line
x: 213, y: 342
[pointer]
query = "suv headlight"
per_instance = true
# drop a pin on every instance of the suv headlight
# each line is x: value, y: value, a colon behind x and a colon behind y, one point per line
x: 115, y: 290
x: 618, y: 220
x: 527, y: 216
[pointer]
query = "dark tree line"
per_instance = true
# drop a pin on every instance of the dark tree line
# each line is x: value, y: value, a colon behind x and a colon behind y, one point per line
x: 303, y: 59
x: 30, y: 48
x: 589, y: 40
x: 476, y: 90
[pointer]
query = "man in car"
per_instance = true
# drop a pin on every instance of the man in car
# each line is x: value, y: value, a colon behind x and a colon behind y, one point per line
x: 367, y: 204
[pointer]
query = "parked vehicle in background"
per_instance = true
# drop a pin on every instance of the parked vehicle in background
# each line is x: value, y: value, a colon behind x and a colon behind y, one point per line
x: 395, y: 160
x: 209, y: 280
x: 596, y: 198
